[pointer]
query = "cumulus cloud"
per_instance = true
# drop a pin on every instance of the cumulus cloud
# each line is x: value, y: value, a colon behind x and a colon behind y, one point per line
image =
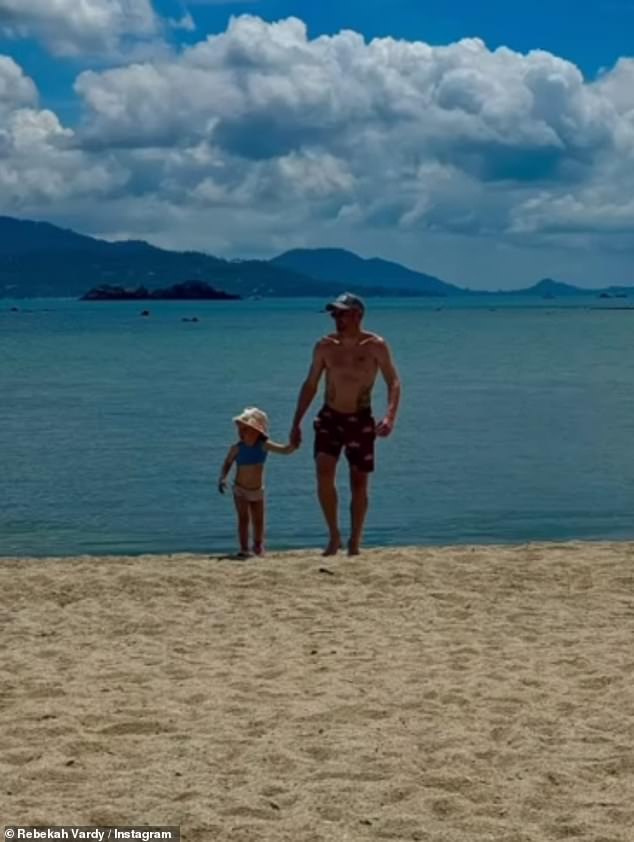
x: 16, y: 89
x: 429, y: 124
x: 70, y: 27
x: 263, y: 90
x: 262, y: 129
x: 40, y: 162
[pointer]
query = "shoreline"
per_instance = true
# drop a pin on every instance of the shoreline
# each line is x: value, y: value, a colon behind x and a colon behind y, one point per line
x: 469, y: 692
x: 315, y: 551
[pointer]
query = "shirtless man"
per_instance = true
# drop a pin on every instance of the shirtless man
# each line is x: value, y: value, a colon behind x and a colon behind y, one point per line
x: 351, y: 358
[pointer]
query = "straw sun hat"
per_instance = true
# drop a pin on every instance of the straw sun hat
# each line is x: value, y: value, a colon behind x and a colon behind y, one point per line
x: 254, y: 418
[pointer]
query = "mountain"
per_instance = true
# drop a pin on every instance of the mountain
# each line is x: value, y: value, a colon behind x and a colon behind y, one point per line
x: 18, y: 236
x: 548, y: 288
x: 38, y: 259
x: 349, y: 270
x: 41, y: 260
x: 552, y: 289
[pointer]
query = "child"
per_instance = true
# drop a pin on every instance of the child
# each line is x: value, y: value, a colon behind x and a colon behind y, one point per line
x: 250, y: 454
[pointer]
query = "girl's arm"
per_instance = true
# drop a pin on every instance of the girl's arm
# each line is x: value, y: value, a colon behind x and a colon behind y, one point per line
x: 230, y: 458
x: 274, y: 447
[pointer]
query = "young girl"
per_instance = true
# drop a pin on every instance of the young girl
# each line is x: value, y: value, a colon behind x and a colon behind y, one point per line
x: 250, y: 454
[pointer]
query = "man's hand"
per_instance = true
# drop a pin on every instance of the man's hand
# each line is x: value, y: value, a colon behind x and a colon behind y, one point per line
x: 384, y: 427
x: 295, y: 436
x: 222, y: 486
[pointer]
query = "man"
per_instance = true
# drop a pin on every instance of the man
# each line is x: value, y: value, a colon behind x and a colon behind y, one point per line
x: 351, y: 357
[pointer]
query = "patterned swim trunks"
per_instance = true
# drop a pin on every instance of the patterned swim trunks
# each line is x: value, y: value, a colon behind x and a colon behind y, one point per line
x: 353, y: 431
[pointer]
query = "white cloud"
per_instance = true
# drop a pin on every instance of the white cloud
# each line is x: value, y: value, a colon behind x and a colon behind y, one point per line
x: 260, y: 137
x: 73, y: 27
x: 185, y: 23
x: 262, y: 90
x: 16, y: 89
x: 40, y: 162
x: 416, y: 129
x: 40, y: 166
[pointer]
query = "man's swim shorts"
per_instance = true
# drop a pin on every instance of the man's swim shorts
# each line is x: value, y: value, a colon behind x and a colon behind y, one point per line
x: 354, y: 431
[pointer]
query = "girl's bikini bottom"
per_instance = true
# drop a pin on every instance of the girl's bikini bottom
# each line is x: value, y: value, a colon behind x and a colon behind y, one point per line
x: 250, y: 495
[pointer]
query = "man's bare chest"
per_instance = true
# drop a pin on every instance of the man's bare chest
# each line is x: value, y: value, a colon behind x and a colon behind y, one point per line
x: 357, y: 361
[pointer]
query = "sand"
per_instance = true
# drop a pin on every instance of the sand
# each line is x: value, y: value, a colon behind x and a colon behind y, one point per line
x: 456, y: 694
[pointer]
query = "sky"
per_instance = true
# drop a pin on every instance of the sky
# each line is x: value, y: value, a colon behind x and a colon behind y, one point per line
x: 489, y: 144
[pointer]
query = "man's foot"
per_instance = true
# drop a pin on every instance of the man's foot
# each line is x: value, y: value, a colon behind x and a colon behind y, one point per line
x: 258, y: 549
x: 354, y: 548
x: 333, y: 546
x: 243, y: 554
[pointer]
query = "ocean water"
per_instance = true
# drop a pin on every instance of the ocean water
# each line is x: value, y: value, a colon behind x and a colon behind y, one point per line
x: 517, y: 422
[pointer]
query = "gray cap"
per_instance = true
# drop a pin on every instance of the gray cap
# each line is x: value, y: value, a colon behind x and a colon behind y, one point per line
x: 346, y: 301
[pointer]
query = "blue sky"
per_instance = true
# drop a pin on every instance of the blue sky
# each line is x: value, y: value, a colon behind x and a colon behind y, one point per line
x: 592, y: 35
x: 476, y: 160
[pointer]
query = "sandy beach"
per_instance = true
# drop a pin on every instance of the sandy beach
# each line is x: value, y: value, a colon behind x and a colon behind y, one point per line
x: 455, y: 694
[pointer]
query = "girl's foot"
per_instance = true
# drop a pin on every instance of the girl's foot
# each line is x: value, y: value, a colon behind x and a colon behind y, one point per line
x: 353, y: 548
x: 258, y: 549
x: 243, y: 554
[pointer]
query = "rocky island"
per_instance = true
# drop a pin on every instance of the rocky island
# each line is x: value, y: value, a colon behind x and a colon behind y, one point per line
x: 188, y: 291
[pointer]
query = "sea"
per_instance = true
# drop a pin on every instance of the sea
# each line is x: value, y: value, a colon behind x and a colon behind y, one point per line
x: 517, y: 422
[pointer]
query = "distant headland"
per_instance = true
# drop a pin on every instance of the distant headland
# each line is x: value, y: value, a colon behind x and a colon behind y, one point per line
x: 187, y: 291
x: 40, y: 260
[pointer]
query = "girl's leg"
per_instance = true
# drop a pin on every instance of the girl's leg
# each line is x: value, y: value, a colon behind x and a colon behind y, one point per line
x: 257, y: 519
x: 242, y: 508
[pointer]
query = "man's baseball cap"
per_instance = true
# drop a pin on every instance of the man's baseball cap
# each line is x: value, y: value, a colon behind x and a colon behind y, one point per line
x: 346, y: 301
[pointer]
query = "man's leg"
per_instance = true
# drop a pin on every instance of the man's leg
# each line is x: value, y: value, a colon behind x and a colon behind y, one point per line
x: 327, y: 492
x: 358, y: 507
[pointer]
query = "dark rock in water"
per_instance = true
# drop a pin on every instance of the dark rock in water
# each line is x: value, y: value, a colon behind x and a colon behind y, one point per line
x: 193, y: 291
x: 188, y: 291
x: 106, y: 292
x: 145, y: 312
x: 15, y: 309
x: 193, y: 319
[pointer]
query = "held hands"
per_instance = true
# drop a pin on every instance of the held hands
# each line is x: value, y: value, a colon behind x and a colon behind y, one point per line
x: 295, y: 436
x: 384, y: 427
x: 222, y: 485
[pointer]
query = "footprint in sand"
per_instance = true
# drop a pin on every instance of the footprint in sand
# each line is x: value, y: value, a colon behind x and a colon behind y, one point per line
x: 124, y: 729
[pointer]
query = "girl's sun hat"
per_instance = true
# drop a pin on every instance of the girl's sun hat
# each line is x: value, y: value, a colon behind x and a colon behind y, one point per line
x: 254, y: 418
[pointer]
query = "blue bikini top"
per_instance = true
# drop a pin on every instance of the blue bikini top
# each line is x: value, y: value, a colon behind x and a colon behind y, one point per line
x: 251, y: 455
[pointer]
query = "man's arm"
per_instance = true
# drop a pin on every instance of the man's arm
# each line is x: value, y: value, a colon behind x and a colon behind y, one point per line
x: 393, y: 382
x: 308, y: 392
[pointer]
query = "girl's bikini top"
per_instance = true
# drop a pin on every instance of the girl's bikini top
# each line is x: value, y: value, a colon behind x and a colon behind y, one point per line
x: 254, y: 455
